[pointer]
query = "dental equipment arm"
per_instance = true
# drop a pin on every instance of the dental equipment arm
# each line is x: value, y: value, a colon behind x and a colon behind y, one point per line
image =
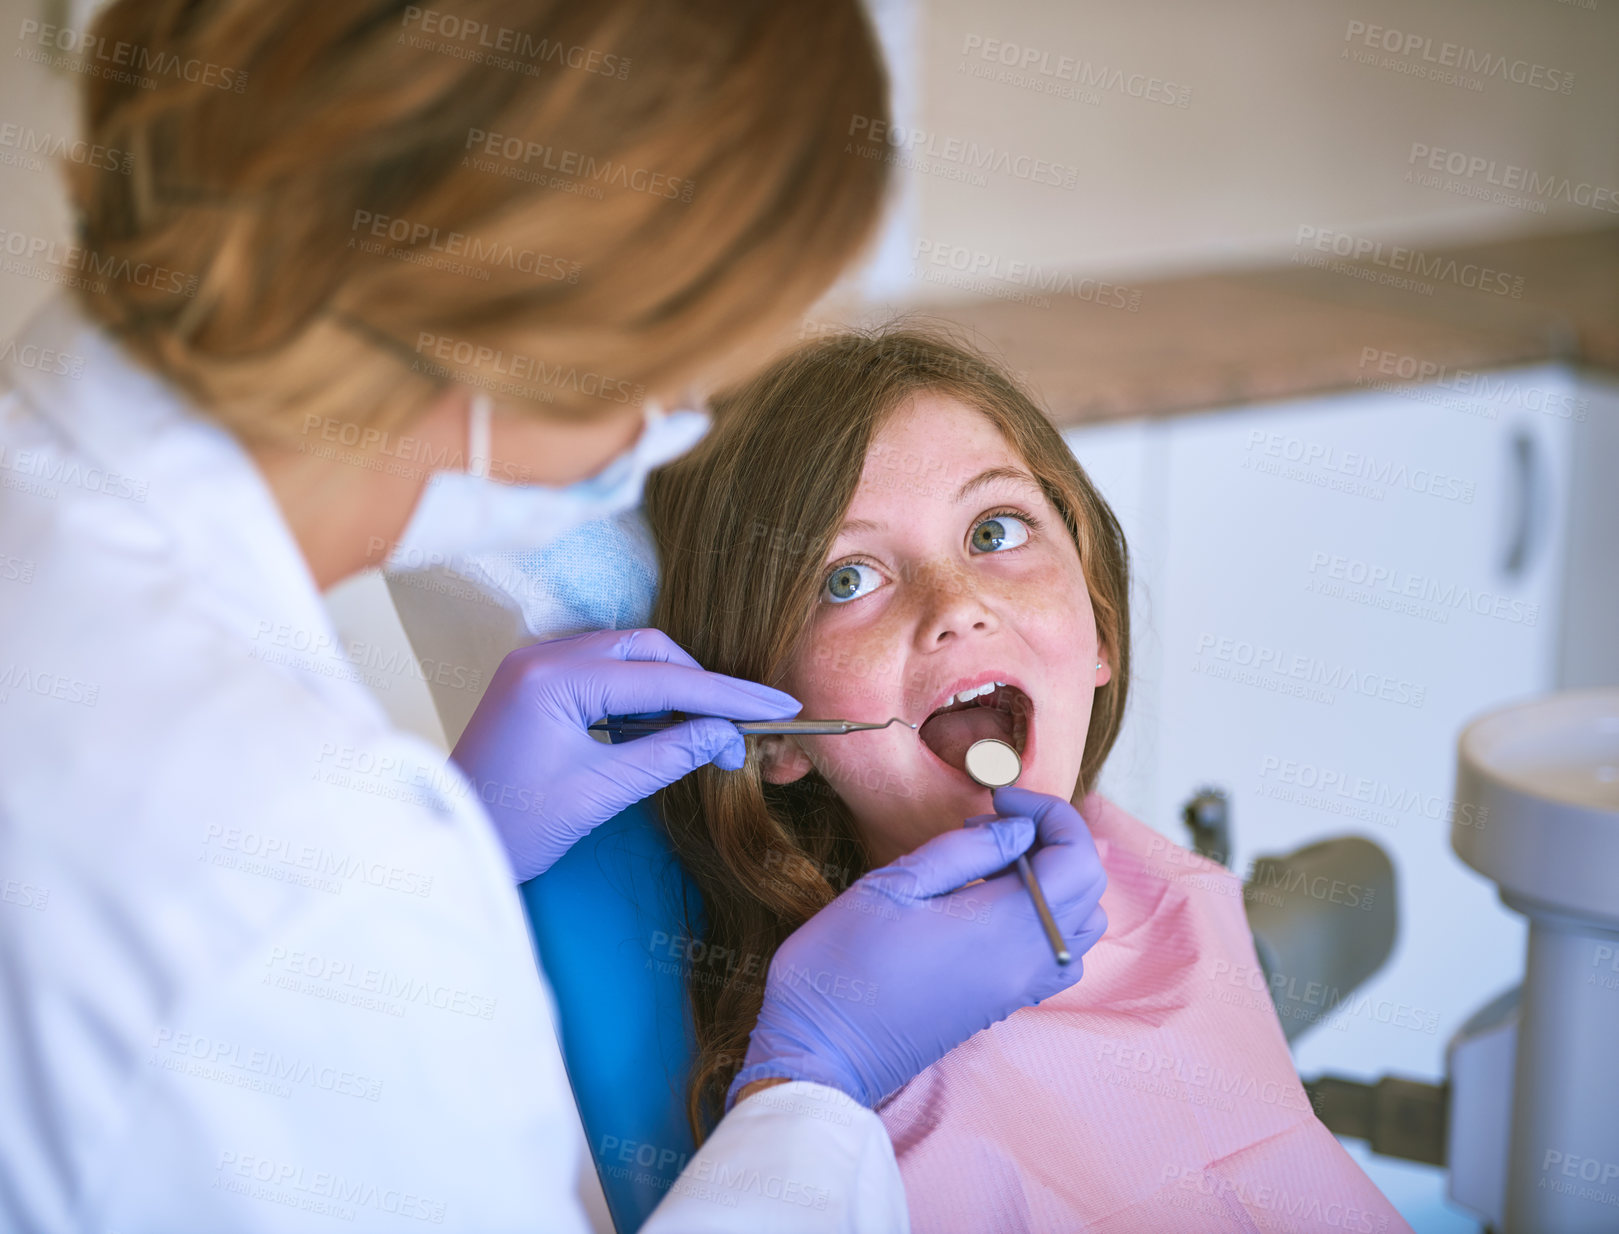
x: 1324, y: 917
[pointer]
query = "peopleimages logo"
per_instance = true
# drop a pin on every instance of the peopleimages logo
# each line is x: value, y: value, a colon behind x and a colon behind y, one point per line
x: 75, y: 258
x: 1440, y: 267
x: 496, y: 43
x: 527, y: 376
x: 1510, y: 176
x: 322, y: 1191
x: 43, y: 359
x: 1493, y: 389
x: 967, y: 157
x: 1279, y: 663
x: 522, y: 158
x: 413, y: 236
x: 81, y: 51
x: 1327, y: 782
x: 1446, y: 595
x: 27, y: 141
x: 1022, y: 66
x: 976, y: 266
x: 1422, y: 49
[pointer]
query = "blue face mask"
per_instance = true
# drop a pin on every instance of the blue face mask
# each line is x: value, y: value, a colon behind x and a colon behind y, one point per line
x: 462, y: 515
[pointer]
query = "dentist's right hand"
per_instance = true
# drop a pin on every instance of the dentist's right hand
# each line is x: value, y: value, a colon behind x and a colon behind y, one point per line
x: 908, y: 963
x: 547, y: 782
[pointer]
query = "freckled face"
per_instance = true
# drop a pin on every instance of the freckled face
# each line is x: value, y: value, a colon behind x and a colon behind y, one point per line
x: 952, y: 571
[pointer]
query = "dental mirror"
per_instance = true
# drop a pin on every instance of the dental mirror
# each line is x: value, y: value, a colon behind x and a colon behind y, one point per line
x: 993, y: 763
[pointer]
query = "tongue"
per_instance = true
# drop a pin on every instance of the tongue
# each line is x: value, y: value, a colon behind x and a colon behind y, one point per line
x: 949, y: 735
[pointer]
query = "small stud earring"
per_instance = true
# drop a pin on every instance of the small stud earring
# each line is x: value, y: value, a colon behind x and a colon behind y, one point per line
x: 1098, y: 664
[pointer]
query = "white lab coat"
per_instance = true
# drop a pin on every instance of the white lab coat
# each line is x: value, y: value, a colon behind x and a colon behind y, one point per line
x: 261, y: 960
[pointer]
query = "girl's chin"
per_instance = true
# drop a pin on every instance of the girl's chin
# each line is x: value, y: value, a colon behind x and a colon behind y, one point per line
x: 947, y: 799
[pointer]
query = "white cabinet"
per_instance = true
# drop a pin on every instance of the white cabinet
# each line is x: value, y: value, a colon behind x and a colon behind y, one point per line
x: 1327, y: 590
x: 1347, y: 581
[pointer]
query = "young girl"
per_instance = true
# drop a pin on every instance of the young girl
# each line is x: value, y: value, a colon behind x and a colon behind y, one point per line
x: 884, y: 526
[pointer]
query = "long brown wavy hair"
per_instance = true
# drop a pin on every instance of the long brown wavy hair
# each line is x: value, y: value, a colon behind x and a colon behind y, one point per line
x: 743, y: 526
x: 339, y: 208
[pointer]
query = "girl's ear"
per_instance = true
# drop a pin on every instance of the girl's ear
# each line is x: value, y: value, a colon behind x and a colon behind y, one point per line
x: 1104, y: 670
x: 782, y: 760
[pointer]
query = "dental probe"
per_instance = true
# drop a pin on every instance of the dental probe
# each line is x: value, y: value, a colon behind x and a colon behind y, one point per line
x: 994, y: 764
x: 748, y: 728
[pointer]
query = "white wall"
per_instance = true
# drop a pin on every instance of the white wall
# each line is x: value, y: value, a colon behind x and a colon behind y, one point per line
x: 1280, y: 127
x: 32, y: 201
x: 1280, y: 130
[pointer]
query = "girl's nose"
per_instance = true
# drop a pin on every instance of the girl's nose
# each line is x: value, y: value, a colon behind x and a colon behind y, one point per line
x: 952, y: 606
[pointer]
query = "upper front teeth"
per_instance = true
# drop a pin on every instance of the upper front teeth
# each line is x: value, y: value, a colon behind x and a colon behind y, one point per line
x: 987, y: 688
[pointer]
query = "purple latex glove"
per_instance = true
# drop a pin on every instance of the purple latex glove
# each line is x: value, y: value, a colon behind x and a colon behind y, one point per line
x: 547, y: 782
x: 907, y: 963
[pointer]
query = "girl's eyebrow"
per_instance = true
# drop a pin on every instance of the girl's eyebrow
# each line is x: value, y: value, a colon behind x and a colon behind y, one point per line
x: 986, y: 477
x: 861, y: 524
x: 992, y: 474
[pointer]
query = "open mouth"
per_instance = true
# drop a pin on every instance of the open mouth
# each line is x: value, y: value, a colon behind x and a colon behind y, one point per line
x: 993, y: 709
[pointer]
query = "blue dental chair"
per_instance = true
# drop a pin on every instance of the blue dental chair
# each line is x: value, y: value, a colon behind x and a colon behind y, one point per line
x: 612, y: 922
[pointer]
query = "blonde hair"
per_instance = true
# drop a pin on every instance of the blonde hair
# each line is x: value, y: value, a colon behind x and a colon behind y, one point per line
x: 573, y: 204
x: 743, y: 526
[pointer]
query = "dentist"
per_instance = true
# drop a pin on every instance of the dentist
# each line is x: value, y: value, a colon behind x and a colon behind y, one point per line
x: 372, y: 284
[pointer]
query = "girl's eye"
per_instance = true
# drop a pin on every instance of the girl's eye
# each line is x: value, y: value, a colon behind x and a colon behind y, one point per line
x: 1002, y: 531
x: 850, y: 582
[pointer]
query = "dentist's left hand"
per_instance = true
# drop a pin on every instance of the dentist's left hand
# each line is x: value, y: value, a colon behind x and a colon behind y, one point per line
x: 547, y: 782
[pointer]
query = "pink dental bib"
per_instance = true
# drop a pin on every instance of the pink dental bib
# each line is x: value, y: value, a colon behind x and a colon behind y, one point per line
x: 1155, y: 1096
